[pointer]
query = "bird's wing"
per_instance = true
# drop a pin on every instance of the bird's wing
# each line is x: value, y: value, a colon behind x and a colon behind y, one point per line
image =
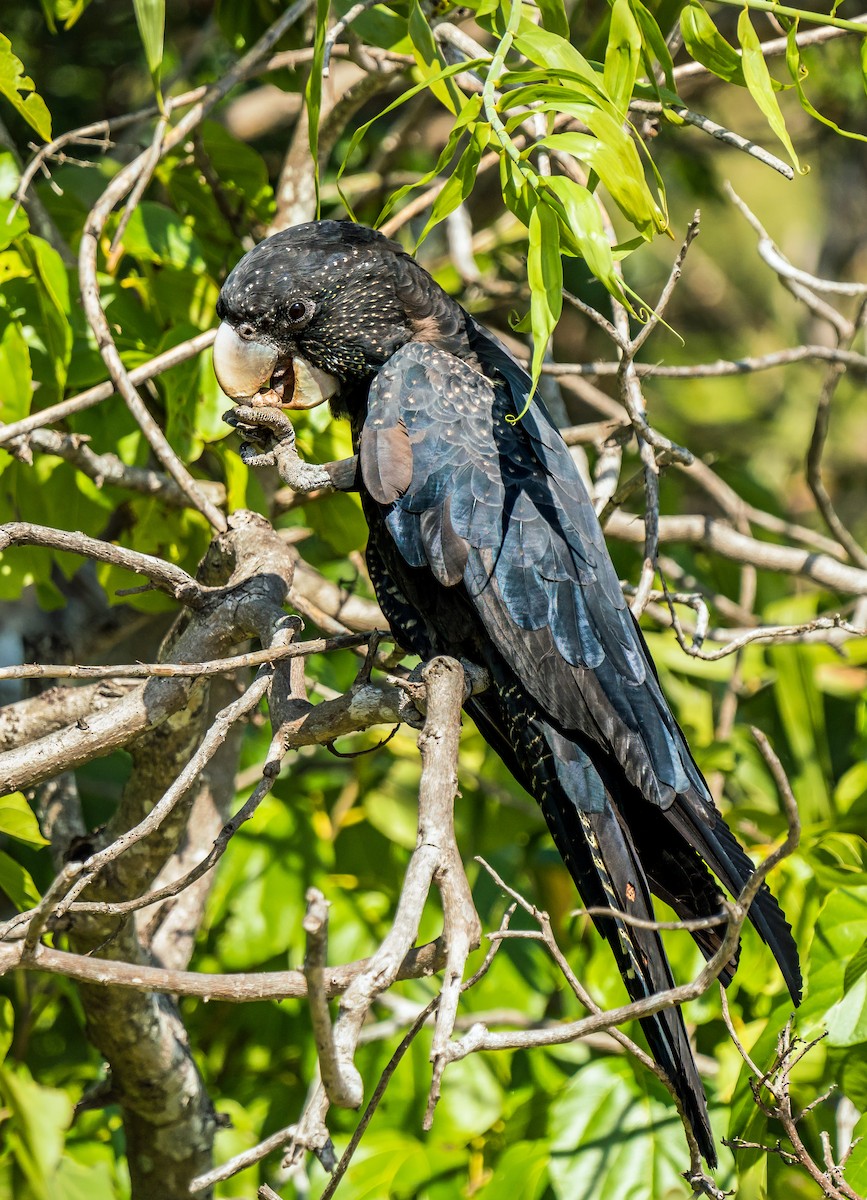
x: 501, y: 508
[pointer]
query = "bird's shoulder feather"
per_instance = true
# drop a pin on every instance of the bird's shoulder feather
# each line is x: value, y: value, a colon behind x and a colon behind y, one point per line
x: 498, y: 507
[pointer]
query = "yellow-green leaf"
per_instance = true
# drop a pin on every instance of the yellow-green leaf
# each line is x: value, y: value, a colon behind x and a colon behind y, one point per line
x: 708, y: 46
x: 150, y: 16
x: 758, y: 80
x: 19, y: 90
x: 621, y: 56
x: 583, y: 222
x: 17, y: 884
x: 545, y: 276
x: 18, y: 821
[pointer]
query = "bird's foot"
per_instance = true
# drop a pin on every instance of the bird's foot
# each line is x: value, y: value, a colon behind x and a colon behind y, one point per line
x: 270, y: 442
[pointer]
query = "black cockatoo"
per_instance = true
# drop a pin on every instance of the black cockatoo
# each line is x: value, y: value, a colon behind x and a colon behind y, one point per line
x: 484, y: 545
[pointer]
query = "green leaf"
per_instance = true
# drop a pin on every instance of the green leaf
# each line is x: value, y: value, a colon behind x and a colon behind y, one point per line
x: 53, y: 295
x: 150, y: 16
x: 622, y: 55
x: 19, y: 90
x: 16, y: 882
x: 847, y: 1020
x: 38, y: 1118
x: 582, y: 220
x: 856, y: 1164
x: 66, y: 12
x: 18, y: 821
x: 615, y: 1134
x: 856, y: 967
x: 7, y: 1025
x: 556, y: 54
x: 313, y: 91
x: 758, y: 80
x: 464, y: 121
x: 545, y: 276
x: 409, y: 94
x: 799, y: 72
x: 707, y: 46
x: 554, y: 18
x: 654, y: 40
x: 611, y: 153
x: 156, y: 234
x: 522, y: 1170
x: 430, y: 61
x: 460, y: 182
x: 839, y: 935
x: 17, y: 391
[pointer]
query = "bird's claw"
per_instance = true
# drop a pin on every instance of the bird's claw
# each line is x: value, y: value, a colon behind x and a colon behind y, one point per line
x: 270, y: 442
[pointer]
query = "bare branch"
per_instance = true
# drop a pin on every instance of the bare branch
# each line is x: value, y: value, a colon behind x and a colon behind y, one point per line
x: 719, y: 538
x: 163, y: 575
x: 102, y: 391
x: 221, y: 666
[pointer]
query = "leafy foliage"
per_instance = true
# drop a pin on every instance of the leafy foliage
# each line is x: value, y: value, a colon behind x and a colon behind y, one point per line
x: 561, y: 1123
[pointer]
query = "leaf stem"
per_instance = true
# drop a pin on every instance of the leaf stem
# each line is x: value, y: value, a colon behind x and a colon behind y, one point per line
x: 489, y: 92
x: 783, y: 10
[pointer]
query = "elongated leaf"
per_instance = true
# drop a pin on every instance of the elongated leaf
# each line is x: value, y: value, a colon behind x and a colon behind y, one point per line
x: 554, y: 18
x: 53, y: 291
x: 545, y: 276
x: 430, y: 61
x: 856, y: 967
x: 613, y: 1136
x: 313, y: 91
x: 758, y: 80
x: 654, y: 41
x: 7, y: 1025
x: 409, y: 94
x: 17, y: 388
x: 557, y: 54
x: 18, y: 89
x: 708, y: 46
x: 150, y: 16
x: 18, y: 821
x: 465, y: 119
x: 614, y: 158
x: 583, y: 221
x: 16, y: 883
x: 622, y: 55
x: 798, y: 72
x: 460, y: 182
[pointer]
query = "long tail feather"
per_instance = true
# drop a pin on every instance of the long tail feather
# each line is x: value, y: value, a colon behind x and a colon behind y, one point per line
x: 602, y: 859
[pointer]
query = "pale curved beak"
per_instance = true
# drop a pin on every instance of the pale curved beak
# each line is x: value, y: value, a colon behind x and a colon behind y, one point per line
x: 312, y: 386
x: 241, y: 367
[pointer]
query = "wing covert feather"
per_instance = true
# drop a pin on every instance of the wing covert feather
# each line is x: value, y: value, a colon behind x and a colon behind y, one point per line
x: 501, y: 508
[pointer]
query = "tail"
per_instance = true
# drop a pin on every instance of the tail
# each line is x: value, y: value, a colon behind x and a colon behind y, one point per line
x: 602, y: 858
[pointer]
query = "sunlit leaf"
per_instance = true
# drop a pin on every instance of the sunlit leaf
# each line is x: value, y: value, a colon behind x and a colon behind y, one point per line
x: 460, y: 182
x: 622, y: 55
x: 430, y: 61
x: 707, y: 45
x: 465, y: 119
x: 584, y: 223
x: 545, y: 276
x: 17, y: 883
x: 150, y: 16
x: 655, y: 42
x: 313, y: 91
x: 758, y: 80
x: 798, y: 72
x: 17, y: 820
x: 18, y: 89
